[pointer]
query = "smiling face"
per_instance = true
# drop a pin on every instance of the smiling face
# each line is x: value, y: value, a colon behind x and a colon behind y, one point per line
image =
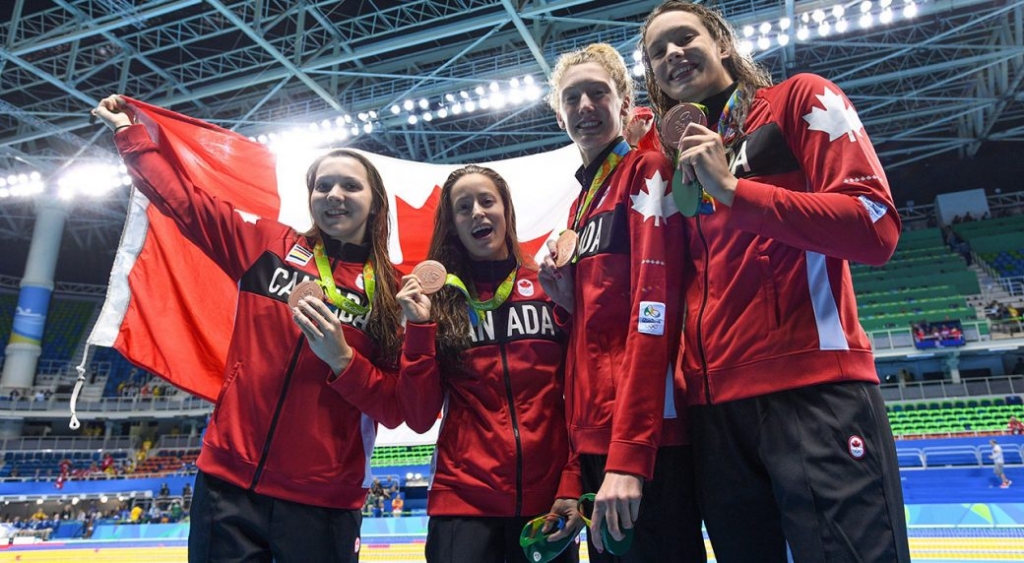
x: 590, y: 108
x: 479, y: 216
x: 341, y: 199
x: 686, y: 61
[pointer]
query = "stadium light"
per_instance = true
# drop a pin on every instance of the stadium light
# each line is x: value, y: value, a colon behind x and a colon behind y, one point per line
x: 825, y: 21
x: 21, y: 184
x: 496, y: 95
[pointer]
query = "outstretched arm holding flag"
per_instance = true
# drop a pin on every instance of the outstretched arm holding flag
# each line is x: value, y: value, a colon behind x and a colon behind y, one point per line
x: 280, y: 439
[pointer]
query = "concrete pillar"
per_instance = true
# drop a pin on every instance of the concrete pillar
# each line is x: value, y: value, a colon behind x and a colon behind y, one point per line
x: 10, y: 428
x: 953, y: 367
x: 25, y: 345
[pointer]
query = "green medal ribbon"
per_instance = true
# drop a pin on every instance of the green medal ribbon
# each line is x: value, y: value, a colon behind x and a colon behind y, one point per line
x: 607, y: 167
x: 327, y: 282
x: 476, y: 307
x: 691, y: 199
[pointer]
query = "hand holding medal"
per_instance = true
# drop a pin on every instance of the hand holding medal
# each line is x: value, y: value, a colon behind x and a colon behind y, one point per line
x: 431, y: 274
x: 308, y: 288
x: 565, y: 247
x: 556, y: 273
x: 427, y: 278
x: 689, y: 197
x: 320, y: 326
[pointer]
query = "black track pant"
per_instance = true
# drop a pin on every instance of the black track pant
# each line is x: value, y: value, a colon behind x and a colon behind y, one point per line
x: 812, y: 468
x: 455, y: 539
x: 232, y: 524
x: 668, y: 526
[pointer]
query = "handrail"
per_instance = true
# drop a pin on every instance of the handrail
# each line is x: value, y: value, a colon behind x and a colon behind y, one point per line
x: 979, y: 453
x: 58, y: 406
x: 902, y: 338
x: 936, y: 390
x: 67, y: 443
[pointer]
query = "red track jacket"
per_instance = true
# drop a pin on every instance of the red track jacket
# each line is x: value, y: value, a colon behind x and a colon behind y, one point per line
x: 278, y: 427
x: 502, y: 449
x: 771, y: 306
x: 625, y: 327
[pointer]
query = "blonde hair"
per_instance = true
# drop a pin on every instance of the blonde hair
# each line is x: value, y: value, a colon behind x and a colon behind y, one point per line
x: 603, y: 54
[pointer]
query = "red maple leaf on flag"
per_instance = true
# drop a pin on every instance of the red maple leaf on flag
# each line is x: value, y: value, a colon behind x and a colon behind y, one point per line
x: 414, y: 221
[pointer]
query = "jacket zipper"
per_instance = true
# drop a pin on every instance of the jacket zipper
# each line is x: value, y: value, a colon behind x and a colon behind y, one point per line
x: 700, y: 317
x: 515, y: 432
x: 280, y: 404
x: 277, y: 414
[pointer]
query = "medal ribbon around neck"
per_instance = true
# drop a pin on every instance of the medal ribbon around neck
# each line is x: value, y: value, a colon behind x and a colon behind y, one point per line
x: 728, y: 134
x: 726, y: 131
x: 327, y: 282
x: 607, y: 167
x: 477, y: 307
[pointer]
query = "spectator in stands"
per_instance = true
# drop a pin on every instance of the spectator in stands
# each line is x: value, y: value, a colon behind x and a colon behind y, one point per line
x: 284, y: 457
x: 369, y: 504
x: 135, y: 516
x: 964, y: 248
x: 108, y: 463
x: 397, y: 503
x: 377, y: 490
x: 951, y: 238
x: 502, y: 454
x: 997, y: 464
x: 65, y: 468
x: 1015, y: 426
x: 176, y: 513
x: 793, y: 204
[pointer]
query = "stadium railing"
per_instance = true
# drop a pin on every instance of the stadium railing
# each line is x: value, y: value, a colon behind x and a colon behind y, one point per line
x: 988, y: 386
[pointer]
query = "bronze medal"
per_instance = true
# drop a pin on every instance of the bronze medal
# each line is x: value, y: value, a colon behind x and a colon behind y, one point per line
x: 674, y: 122
x: 308, y: 287
x: 431, y: 274
x: 565, y: 247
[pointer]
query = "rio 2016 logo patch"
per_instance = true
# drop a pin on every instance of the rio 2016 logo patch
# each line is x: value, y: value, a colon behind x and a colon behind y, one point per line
x: 855, y: 445
x: 651, y: 318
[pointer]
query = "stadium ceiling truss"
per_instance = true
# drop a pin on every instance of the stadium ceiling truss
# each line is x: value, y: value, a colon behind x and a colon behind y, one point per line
x: 940, y: 84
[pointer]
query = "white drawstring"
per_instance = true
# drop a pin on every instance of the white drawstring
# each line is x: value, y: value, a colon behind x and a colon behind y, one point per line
x: 80, y: 368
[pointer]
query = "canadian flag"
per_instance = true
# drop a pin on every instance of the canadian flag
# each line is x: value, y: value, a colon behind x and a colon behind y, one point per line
x: 170, y: 310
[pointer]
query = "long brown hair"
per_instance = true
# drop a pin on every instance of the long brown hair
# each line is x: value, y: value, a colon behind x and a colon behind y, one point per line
x: 384, y: 324
x: 448, y: 306
x: 749, y: 75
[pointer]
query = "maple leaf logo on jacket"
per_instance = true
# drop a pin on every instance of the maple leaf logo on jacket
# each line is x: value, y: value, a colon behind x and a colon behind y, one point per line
x: 837, y: 119
x: 654, y: 202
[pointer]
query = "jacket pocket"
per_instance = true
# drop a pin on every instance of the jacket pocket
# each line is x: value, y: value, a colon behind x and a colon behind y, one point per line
x: 228, y: 381
x: 769, y: 292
